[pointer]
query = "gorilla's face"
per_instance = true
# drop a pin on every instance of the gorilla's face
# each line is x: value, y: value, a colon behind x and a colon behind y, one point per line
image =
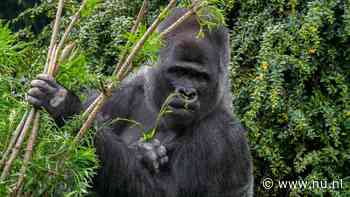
x: 189, y: 67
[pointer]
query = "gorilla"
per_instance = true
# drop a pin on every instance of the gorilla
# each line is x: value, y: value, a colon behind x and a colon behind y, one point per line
x: 200, y: 148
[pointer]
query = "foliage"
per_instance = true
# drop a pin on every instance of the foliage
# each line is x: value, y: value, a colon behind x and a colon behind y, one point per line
x: 291, y: 79
x: 45, y: 176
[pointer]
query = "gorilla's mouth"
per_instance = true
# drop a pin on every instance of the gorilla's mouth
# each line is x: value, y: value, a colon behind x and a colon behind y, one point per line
x: 183, y: 105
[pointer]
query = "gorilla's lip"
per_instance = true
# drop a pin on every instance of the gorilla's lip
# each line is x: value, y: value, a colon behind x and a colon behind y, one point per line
x: 180, y: 104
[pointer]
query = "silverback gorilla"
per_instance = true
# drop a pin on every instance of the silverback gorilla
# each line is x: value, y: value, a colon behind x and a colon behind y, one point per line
x: 200, y: 149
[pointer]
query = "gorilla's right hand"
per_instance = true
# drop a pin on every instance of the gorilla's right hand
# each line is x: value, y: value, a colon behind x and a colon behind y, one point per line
x: 47, y: 93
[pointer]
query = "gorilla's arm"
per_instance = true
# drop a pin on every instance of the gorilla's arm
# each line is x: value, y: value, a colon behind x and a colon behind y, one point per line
x: 121, y: 171
x: 123, y: 168
x: 241, y: 181
x: 59, y: 102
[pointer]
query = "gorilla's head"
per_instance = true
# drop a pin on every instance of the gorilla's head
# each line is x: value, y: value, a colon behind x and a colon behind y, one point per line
x: 193, y: 68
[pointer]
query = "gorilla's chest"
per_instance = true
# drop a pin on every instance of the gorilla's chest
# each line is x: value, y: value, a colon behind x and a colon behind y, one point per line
x: 142, y: 120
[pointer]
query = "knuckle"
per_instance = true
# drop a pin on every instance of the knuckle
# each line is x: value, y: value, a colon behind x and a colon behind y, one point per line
x: 151, y: 155
x: 156, y: 142
x: 147, y: 146
x: 162, y: 150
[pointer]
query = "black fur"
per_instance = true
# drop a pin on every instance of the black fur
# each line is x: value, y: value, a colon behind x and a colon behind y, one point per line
x: 207, y: 154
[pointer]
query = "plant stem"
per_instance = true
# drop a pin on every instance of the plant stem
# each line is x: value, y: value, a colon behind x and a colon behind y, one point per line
x: 28, y: 154
x: 14, y: 138
x: 17, y: 147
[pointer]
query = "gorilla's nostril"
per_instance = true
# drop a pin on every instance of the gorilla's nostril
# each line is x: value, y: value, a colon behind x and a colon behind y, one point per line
x: 188, y: 93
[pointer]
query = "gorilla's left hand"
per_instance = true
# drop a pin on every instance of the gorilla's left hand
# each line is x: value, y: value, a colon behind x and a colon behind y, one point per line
x: 152, y: 154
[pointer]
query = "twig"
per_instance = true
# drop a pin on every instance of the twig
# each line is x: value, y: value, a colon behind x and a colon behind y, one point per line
x: 19, y: 142
x: 136, y: 25
x: 28, y: 154
x: 13, y: 139
x: 131, y: 56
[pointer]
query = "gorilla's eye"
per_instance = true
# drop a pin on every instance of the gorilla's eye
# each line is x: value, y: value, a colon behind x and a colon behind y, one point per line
x: 191, y: 73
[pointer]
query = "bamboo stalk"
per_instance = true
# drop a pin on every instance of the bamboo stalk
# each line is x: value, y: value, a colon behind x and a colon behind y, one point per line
x: 87, y: 124
x: 28, y: 155
x: 54, y: 33
x: 52, y: 60
x: 131, y: 56
x: 53, y: 52
x: 13, y: 139
x: 18, y: 145
x: 92, y: 106
x: 75, y: 18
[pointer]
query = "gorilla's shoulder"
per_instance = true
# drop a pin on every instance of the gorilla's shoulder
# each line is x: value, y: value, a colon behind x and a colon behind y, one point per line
x: 129, y: 94
x: 228, y: 124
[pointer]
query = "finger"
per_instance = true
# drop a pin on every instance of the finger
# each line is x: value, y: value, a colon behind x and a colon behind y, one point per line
x: 151, y: 156
x: 156, y: 166
x: 164, y: 160
x: 37, y: 93
x: 34, y: 101
x: 161, y: 151
x: 43, y: 85
x: 156, y: 142
x: 147, y: 146
x: 49, y: 79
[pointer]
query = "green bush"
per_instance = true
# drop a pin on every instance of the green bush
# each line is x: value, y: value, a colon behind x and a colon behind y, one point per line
x: 291, y: 80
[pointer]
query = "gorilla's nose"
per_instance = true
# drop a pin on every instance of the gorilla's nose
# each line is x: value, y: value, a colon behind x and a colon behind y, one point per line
x: 190, y: 94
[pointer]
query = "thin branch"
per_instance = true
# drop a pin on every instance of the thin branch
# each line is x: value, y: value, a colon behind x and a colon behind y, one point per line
x: 28, y: 154
x: 13, y: 138
x: 17, y: 147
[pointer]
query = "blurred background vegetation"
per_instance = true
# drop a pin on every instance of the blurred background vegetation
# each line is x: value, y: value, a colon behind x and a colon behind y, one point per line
x: 290, y: 75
